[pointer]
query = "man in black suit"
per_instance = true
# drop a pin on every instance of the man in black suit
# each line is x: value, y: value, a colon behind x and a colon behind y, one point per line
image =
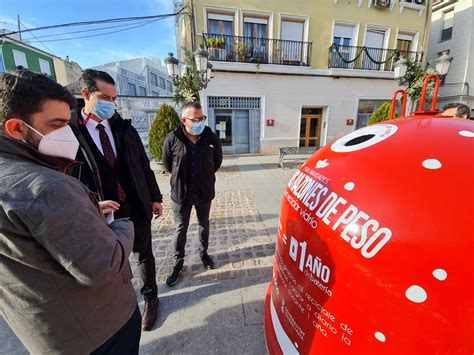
x: 116, y: 167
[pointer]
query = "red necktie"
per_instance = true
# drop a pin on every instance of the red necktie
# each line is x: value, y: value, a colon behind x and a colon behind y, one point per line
x: 110, y: 157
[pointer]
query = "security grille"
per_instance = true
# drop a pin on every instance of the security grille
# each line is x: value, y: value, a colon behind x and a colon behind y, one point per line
x: 234, y: 102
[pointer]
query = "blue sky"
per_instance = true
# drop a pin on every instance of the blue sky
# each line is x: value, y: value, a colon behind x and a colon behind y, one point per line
x: 155, y: 39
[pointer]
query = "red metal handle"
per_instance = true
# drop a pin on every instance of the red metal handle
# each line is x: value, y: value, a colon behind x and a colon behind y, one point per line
x: 423, y: 92
x: 404, y: 103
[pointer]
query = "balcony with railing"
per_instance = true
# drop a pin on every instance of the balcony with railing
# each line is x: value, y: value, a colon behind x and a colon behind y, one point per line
x: 366, y: 58
x: 257, y: 50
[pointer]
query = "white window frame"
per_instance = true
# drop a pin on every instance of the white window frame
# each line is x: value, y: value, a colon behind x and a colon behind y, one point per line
x: 235, y: 21
x: 355, y: 25
x: 420, y: 8
x: 449, y: 11
x: 386, y: 39
x: 304, y: 19
x: 44, y: 62
x: 366, y: 98
x: 19, y: 53
x: 414, y: 33
x: 250, y: 13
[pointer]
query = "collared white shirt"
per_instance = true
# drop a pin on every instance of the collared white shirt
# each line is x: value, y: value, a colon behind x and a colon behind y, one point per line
x: 94, y: 132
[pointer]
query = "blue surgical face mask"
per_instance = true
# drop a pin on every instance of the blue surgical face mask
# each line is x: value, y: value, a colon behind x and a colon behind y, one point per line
x: 197, y: 128
x: 104, y: 109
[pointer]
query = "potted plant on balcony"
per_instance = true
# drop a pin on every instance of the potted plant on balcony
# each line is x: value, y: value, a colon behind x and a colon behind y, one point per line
x: 242, y: 52
x: 212, y: 42
x: 213, y: 45
x: 221, y: 42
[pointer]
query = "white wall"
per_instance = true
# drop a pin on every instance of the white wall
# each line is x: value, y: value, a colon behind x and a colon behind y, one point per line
x: 461, y: 46
x: 285, y: 95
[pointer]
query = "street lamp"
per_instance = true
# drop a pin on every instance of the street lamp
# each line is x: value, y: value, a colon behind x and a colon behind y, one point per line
x: 204, y: 68
x: 400, y: 68
x: 443, y: 62
x: 201, y: 56
x: 172, y: 66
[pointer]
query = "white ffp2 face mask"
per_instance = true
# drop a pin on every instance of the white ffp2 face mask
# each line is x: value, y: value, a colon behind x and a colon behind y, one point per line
x: 59, y: 143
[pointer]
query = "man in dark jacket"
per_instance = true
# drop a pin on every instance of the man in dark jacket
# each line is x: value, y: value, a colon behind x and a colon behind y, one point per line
x: 65, y: 278
x: 116, y: 167
x: 192, y: 153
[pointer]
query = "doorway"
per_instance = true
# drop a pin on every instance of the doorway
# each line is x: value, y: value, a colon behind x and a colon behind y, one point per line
x: 233, y: 130
x: 310, y: 127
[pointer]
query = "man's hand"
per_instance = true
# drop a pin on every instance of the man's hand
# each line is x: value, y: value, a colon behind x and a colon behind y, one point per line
x: 108, y: 206
x: 157, y: 209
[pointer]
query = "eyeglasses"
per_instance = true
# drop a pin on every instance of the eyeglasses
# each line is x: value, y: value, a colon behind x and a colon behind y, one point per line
x: 198, y: 119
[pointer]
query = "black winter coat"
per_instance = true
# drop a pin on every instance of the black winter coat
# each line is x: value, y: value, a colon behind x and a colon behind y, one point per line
x: 175, y: 161
x: 130, y: 147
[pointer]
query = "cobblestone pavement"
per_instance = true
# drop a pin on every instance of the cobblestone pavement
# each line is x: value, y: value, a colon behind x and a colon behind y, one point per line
x: 228, y: 172
x: 238, y: 241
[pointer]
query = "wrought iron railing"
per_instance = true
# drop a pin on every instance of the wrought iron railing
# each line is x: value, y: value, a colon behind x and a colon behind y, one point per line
x: 257, y: 50
x: 367, y: 58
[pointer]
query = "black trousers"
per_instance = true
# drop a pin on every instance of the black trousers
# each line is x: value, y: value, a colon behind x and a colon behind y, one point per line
x: 182, y: 214
x: 142, y: 248
x: 126, y: 341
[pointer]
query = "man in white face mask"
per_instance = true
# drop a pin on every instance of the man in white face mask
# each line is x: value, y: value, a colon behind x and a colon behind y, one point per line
x: 66, y: 280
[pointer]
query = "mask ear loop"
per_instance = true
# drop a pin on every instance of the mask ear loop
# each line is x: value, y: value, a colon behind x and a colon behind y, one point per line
x: 33, y: 129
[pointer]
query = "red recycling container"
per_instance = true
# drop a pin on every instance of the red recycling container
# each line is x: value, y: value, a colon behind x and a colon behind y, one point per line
x: 375, y: 244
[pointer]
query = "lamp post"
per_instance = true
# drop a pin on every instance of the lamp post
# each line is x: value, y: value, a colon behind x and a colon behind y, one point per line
x: 409, y: 73
x: 172, y: 66
x: 203, y: 67
x: 443, y: 62
x: 400, y: 68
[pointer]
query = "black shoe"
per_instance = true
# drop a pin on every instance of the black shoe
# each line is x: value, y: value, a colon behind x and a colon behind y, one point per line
x: 207, y: 261
x: 173, y: 278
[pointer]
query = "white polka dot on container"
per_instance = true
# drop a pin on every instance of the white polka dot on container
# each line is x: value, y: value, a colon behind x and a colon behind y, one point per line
x: 468, y: 134
x: 440, y: 274
x: 432, y: 164
x: 416, y: 294
x: 349, y: 186
x: 380, y: 337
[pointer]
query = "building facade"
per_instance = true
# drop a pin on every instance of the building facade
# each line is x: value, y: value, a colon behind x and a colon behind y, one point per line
x: 142, y: 111
x: 139, y: 77
x: 299, y: 73
x: 452, y: 28
x: 15, y: 53
x: 67, y: 71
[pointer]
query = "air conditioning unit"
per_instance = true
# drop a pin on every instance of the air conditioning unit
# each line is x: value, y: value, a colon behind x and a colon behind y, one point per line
x: 382, y: 3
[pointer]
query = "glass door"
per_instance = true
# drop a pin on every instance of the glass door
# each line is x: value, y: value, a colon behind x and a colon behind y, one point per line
x: 310, y: 127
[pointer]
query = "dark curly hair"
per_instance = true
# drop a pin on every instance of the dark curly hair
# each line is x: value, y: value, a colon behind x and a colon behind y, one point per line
x: 90, y: 76
x: 22, y: 93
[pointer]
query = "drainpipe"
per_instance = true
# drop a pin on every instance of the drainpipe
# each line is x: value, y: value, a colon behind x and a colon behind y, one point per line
x: 193, y: 25
x: 425, y: 29
x: 1, y: 55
